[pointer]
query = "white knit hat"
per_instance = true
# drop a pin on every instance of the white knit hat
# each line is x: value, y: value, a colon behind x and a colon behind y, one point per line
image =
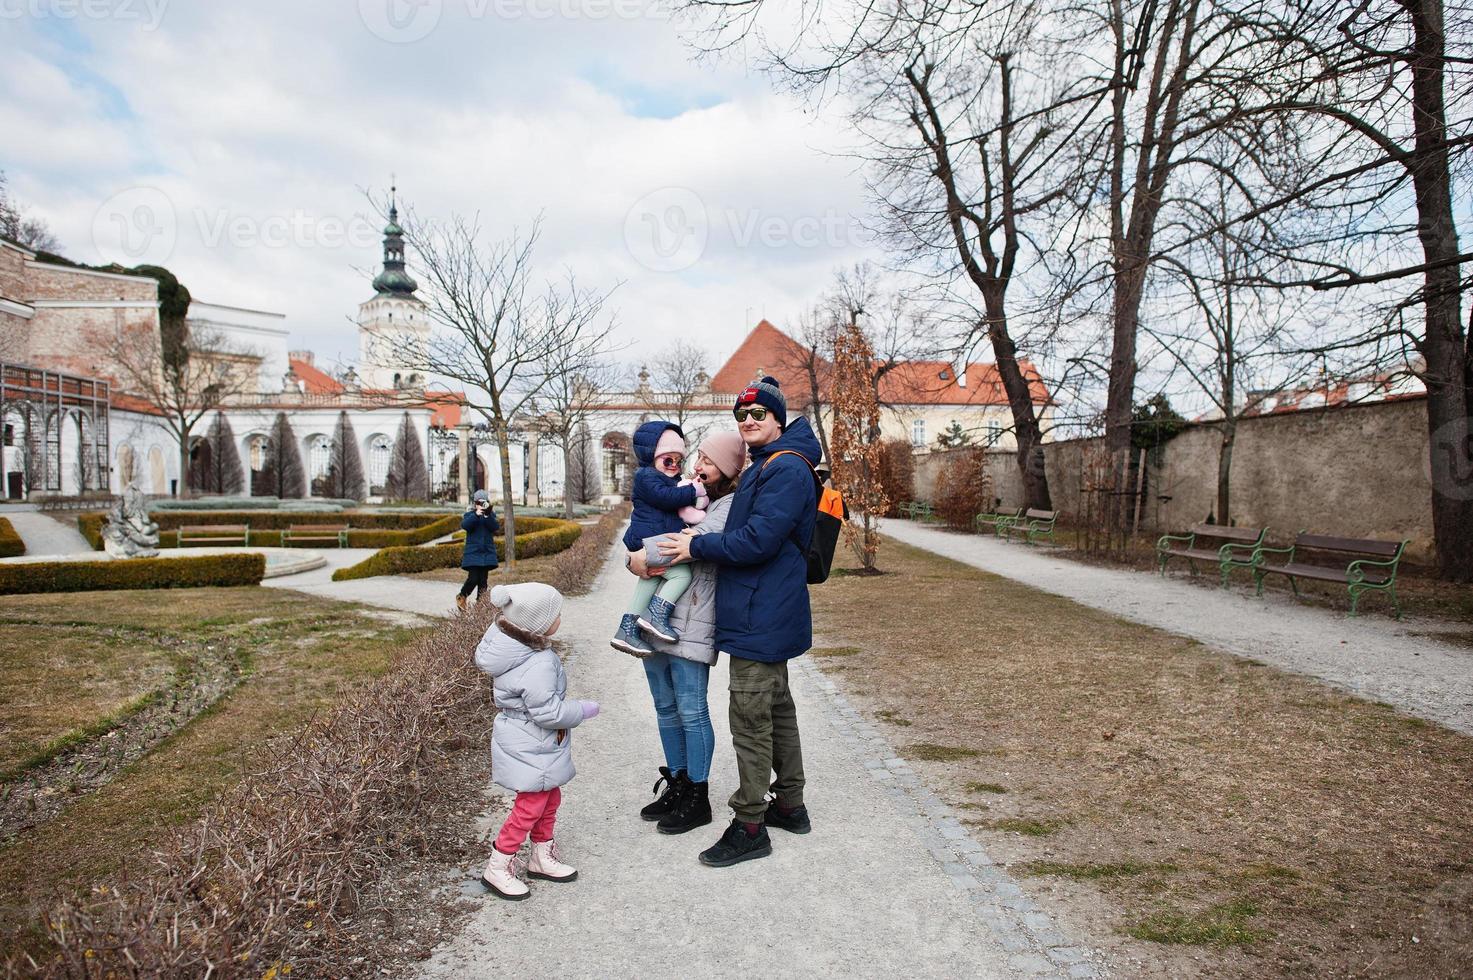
x: 531, y: 606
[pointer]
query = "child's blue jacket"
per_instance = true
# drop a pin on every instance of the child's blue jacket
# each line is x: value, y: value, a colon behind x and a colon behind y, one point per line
x: 657, y: 498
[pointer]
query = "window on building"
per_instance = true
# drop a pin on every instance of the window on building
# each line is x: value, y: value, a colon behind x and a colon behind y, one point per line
x: 994, y: 432
x: 319, y: 455
x: 918, y: 432
x: 258, y: 452
x: 379, y: 448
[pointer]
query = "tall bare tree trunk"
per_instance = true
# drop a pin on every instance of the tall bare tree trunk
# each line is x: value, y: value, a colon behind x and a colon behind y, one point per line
x: 1449, y: 370
x: 508, y: 505
x: 568, y: 477
x: 1020, y: 400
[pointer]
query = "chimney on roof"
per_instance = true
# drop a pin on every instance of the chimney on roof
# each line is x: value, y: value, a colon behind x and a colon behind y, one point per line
x: 302, y: 355
x: 961, y: 376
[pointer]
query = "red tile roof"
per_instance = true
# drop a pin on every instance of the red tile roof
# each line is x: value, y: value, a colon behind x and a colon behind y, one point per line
x: 317, y: 382
x: 767, y: 350
x: 132, y: 403
x: 446, y: 407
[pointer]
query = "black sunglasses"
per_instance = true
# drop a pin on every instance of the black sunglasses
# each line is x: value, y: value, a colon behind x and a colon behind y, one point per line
x: 758, y: 413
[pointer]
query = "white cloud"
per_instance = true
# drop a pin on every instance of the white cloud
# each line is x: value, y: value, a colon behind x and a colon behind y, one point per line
x: 261, y: 122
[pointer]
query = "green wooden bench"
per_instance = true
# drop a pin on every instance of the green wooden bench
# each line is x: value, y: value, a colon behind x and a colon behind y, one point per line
x: 1034, y: 524
x: 997, y: 520
x: 316, y: 532
x: 916, y: 510
x: 214, y: 534
x: 1372, y: 564
x: 1201, y: 543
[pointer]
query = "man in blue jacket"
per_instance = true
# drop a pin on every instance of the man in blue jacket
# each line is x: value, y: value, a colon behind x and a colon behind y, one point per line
x: 762, y: 616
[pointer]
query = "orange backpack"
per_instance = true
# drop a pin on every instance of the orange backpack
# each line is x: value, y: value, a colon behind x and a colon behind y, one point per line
x: 832, y: 513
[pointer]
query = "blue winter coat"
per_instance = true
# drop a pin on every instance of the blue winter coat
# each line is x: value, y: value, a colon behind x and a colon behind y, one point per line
x: 657, y: 498
x: 480, y: 540
x: 762, y: 608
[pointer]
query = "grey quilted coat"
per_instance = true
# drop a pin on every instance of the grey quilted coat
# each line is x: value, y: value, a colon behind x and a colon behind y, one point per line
x: 531, y: 691
x: 694, y: 617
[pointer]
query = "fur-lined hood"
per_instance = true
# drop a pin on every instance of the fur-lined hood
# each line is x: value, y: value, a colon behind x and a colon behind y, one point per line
x: 505, y: 647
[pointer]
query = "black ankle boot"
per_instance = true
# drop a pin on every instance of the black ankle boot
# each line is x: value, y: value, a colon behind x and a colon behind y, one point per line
x: 691, y: 811
x: 666, y: 803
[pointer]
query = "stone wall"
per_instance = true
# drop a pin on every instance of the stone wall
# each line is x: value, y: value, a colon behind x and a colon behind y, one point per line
x: 1353, y: 471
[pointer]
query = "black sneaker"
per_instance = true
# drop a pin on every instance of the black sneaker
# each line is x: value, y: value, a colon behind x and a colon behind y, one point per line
x: 794, y: 821
x: 666, y: 803
x: 736, y: 846
x: 692, y: 810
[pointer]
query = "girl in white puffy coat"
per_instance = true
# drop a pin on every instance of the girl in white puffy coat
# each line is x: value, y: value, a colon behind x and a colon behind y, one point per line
x: 531, y: 740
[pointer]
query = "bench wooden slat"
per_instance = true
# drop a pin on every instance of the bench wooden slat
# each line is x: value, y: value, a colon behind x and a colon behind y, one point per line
x: 1363, y: 546
x: 1249, y: 534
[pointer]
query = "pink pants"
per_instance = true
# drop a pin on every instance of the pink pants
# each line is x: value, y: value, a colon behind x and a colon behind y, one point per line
x: 534, y: 812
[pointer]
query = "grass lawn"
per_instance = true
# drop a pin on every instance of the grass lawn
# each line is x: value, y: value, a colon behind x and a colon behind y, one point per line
x: 97, y: 653
x: 1202, y: 814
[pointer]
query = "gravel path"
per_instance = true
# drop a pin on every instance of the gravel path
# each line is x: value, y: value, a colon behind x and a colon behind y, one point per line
x: 1373, y: 655
x: 44, y: 534
x: 887, y: 884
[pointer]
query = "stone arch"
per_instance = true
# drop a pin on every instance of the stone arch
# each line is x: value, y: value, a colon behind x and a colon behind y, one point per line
x: 317, y: 457
x: 126, y: 462
x: 158, y: 474
x: 255, y: 451
x: 72, y: 454
x: 201, y: 462
x: 378, y: 450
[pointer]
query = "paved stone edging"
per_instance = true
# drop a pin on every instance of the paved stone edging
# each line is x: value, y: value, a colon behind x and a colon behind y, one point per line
x: 1027, y: 933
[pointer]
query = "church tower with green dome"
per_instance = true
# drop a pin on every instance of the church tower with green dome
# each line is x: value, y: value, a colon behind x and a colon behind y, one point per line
x: 393, y: 323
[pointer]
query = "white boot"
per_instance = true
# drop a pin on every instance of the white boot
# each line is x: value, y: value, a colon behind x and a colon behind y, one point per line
x: 501, y: 877
x: 545, y: 863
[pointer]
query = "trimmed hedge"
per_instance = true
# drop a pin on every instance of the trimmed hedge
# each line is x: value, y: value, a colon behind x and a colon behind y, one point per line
x: 538, y: 536
x: 366, y: 529
x: 132, y: 573
x: 11, y: 546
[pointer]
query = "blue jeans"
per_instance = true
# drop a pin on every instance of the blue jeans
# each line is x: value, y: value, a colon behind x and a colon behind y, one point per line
x: 679, y: 689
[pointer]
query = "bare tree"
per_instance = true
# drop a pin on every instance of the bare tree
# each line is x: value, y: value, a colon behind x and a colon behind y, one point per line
x: 16, y: 225
x: 408, y: 477
x: 183, y: 379
x: 677, y: 380
x: 572, y: 394
x: 1386, y: 92
x: 344, y: 478
x: 500, y: 336
x: 582, y: 478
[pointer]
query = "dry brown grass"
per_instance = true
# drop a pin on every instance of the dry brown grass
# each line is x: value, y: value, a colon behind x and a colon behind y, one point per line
x: 272, y: 878
x: 296, y: 655
x: 1203, y: 814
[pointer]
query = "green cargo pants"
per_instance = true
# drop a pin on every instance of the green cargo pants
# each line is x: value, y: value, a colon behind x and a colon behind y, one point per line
x: 764, y: 732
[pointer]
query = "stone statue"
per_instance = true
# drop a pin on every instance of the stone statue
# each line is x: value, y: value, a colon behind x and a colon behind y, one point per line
x: 128, y: 532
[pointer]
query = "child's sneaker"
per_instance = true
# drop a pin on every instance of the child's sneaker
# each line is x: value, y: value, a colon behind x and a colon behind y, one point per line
x: 501, y: 877
x: 546, y: 864
x: 657, y: 624
x: 628, y: 639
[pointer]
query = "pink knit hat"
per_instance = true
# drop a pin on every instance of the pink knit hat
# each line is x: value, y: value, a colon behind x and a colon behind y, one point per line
x: 726, y: 450
x: 669, y: 442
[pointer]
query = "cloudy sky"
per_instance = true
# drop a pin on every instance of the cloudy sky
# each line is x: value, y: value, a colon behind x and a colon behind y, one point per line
x: 234, y: 143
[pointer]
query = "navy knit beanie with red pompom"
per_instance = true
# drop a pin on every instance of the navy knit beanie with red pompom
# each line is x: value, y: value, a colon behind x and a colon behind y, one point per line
x: 767, y: 393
